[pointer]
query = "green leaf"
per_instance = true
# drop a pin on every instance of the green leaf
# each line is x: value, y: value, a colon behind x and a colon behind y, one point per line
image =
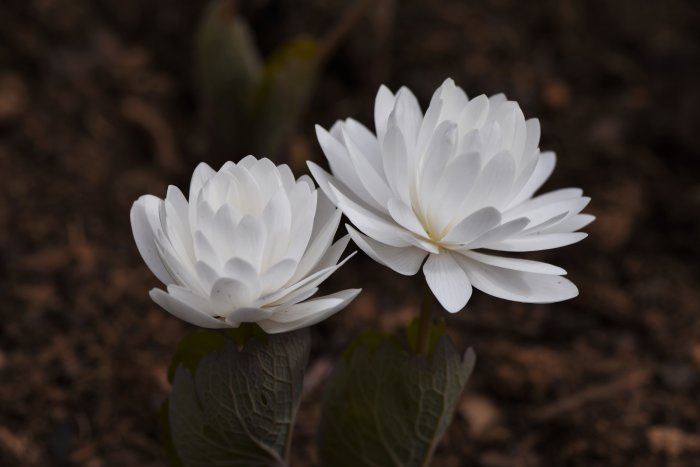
x: 193, y: 347
x: 386, y: 407
x: 289, y: 76
x: 229, y: 69
x: 236, y: 407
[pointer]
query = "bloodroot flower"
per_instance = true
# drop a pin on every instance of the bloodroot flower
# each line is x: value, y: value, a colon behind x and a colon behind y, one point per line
x: 252, y: 244
x: 447, y: 185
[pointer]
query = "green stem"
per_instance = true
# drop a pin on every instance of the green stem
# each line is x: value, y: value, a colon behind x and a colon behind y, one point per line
x: 425, y: 320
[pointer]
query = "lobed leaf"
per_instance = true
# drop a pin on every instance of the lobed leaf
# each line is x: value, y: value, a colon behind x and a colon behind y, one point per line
x: 386, y: 407
x: 236, y: 406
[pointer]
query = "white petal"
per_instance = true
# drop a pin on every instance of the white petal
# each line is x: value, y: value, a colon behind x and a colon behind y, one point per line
x: 499, y: 233
x: 277, y: 221
x: 247, y: 162
x: 308, y: 313
x: 332, y: 255
x: 430, y: 121
x: 405, y: 217
x: 404, y: 260
x: 440, y: 151
x: 220, y: 230
x: 182, y: 272
x: 267, y: 176
x: 539, y: 242
x: 494, y: 183
x: 540, y: 212
x: 201, y: 175
x: 341, y: 166
x: 544, y: 225
x: 248, y: 240
x: 367, y: 142
x: 370, y: 223
x: 572, y: 224
x: 186, y: 313
x: 474, y: 114
x: 206, y: 274
x: 302, y: 226
x: 248, y: 315
x: 456, y: 184
x: 146, y: 239
x: 179, y: 203
x: 516, y: 264
x: 383, y: 105
x: 292, y: 299
x: 373, y: 181
x: 453, y: 98
x: 543, y: 169
x: 447, y: 281
x: 318, y: 246
x: 518, y: 286
x: 406, y: 114
x: 205, y: 251
x: 241, y: 270
x: 228, y: 295
x: 495, y: 103
x: 474, y: 225
x: 532, y: 140
x: 395, y: 159
x: 325, y: 210
x: 278, y: 275
x: 307, y: 283
x: 193, y: 300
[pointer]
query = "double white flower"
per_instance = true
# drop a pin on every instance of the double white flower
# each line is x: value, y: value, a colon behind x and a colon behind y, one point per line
x: 251, y: 245
x: 443, y: 185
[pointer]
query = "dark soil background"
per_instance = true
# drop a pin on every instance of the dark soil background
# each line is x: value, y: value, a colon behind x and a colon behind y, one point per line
x: 98, y: 106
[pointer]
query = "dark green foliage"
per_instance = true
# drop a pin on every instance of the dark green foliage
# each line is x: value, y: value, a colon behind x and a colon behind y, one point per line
x: 234, y: 398
x: 251, y: 104
x: 388, y: 407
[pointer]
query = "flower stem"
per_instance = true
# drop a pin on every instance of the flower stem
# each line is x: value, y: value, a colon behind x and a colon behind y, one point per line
x: 425, y: 320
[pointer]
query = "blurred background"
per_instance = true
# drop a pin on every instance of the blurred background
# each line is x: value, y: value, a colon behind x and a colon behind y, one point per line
x: 104, y: 100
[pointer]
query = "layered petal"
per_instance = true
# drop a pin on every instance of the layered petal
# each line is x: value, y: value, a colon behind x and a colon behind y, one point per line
x: 445, y: 184
x: 250, y: 242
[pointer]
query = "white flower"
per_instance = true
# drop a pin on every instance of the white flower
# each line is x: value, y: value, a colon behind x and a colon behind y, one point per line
x: 251, y: 245
x: 448, y: 183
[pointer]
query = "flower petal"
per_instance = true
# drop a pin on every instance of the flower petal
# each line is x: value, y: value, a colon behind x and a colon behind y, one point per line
x: 474, y: 114
x: 572, y: 224
x: 395, y: 160
x: 518, y: 286
x: 228, y: 295
x: 447, y: 281
x: 341, y: 166
x: 404, y: 260
x: 185, y: 312
x: 473, y: 226
x: 383, y: 105
x: 544, y: 168
x: 370, y: 223
x: 373, y: 181
x: 538, y: 242
x: 516, y: 264
x: 405, y: 217
x: 308, y: 313
x: 318, y: 246
x: 145, y: 236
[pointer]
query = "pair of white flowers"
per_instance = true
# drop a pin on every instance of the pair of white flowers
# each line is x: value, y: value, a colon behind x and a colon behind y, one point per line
x: 253, y: 244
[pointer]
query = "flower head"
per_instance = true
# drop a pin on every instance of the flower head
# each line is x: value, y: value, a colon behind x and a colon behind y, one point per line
x: 251, y: 245
x: 447, y: 184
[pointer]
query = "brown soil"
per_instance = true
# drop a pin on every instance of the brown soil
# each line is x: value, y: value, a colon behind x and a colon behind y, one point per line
x: 97, y: 106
